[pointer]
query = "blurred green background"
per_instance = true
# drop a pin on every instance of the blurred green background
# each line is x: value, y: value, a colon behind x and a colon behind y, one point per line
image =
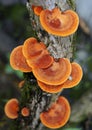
x: 15, y: 27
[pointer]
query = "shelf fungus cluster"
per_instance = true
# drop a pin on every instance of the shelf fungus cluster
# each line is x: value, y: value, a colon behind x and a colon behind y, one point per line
x: 32, y: 54
x: 12, y: 109
x: 68, y: 79
x: 52, y: 75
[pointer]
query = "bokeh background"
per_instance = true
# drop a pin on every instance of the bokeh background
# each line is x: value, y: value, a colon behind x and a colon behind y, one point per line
x: 15, y: 27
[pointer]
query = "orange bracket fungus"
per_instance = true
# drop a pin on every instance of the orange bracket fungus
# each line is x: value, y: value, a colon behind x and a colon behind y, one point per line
x: 76, y: 76
x: 25, y: 111
x: 59, y: 23
x: 11, y: 108
x: 57, y: 115
x: 37, y: 9
x: 32, y: 48
x: 50, y: 71
x: 18, y: 61
x: 56, y: 74
x: 43, y: 60
x: 49, y: 88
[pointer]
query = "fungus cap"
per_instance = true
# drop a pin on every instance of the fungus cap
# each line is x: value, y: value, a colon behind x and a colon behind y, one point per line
x: 44, y: 60
x: 59, y: 23
x: 11, y: 108
x: 18, y: 61
x: 57, y: 115
x: 25, y: 111
x: 50, y: 88
x: 32, y: 48
x: 37, y: 10
x: 76, y: 76
x: 56, y: 74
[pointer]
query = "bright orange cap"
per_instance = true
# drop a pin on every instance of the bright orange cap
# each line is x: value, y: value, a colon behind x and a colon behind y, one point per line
x: 44, y: 60
x: 75, y: 76
x: 11, y: 108
x: 18, y: 61
x: 56, y: 74
x: 49, y: 88
x: 25, y: 111
x: 37, y: 10
x: 57, y: 115
x: 59, y: 23
x: 32, y: 48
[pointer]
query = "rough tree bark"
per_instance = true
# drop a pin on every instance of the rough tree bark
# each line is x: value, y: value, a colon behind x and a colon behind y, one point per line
x: 31, y: 95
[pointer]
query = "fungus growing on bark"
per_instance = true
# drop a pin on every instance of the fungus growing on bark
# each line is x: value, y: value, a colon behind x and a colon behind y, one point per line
x: 56, y: 74
x: 11, y: 108
x: 25, y: 111
x: 37, y: 9
x: 57, y: 115
x: 20, y: 85
x: 59, y: 23
x: 76, y: 76
x: 49, y: 88
x: 18, y: 61
x: 44, y: 60
x: 32, y: 48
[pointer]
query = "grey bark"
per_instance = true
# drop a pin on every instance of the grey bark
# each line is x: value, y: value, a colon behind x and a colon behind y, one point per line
x: 57, y: 46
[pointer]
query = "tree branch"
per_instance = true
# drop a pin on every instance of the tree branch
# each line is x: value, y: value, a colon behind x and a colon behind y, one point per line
x: 31, y: 95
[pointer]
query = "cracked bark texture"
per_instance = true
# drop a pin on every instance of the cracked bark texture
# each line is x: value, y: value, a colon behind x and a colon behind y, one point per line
x: 57, y: 46
x: 36, y: 99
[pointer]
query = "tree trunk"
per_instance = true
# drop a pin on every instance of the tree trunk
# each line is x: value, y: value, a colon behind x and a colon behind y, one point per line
x: 31, y: 95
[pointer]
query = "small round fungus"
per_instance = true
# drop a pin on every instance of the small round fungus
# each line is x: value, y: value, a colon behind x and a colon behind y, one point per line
x: 57, y: 115
x: 55, y: 74
x: 76, y: 76
x: 59, y: 23
x: 25, y: 111
x: 32, y: 48
x: 37, y: 10
x: 44, y: 60
x: 11, y: 108
x: 18, y: 61
x: 21, y: 83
